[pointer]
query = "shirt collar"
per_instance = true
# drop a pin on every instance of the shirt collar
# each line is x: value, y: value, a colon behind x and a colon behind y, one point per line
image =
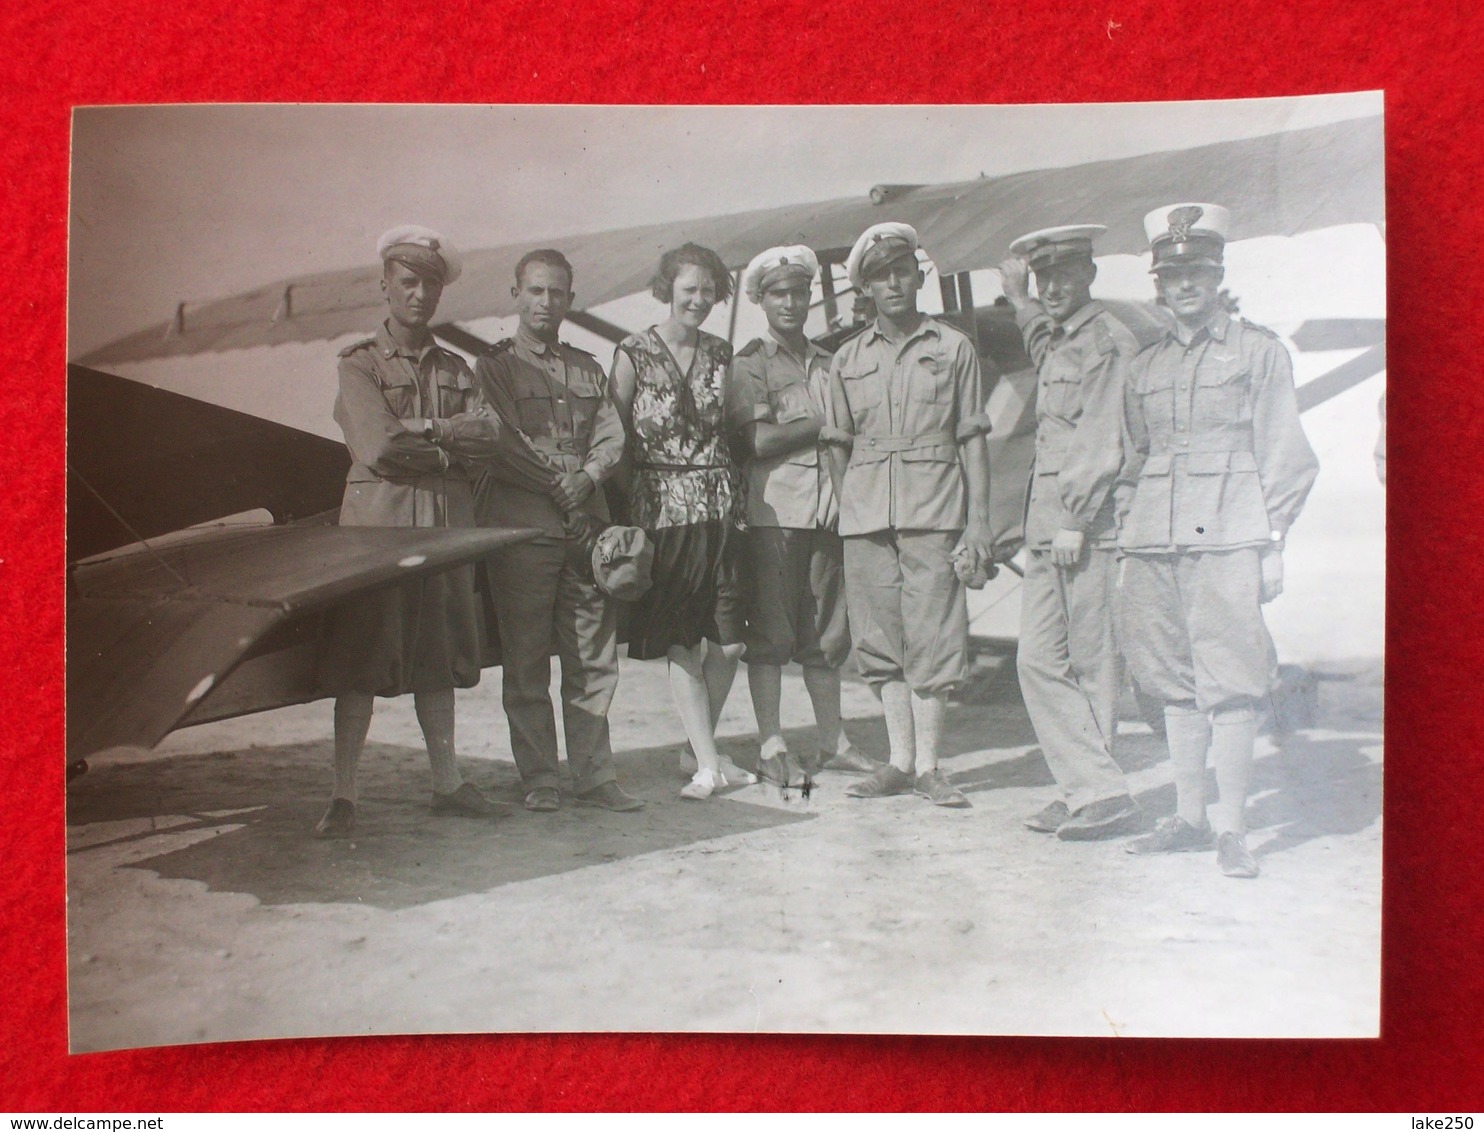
x: 771, y: 346
x: 528, y: 341
x: 1216, y: 327
x: 390, y: 347
x: 926, y: 326
x: 1081, y: 317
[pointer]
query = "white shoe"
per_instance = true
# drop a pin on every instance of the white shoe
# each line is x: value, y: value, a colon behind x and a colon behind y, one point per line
x: 702, y: 784
x: 734, y: 774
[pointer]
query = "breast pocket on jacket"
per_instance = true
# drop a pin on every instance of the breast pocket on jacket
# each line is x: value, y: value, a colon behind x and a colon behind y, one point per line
x: 584, y: 397
x: 533, y: 404
x: 863, y: 387
x: 789, y: 403
x: 400, y: 392
x: 932, y: 379
x: 1222, y: 397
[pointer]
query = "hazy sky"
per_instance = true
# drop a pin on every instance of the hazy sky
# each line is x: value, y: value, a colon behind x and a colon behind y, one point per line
x: 199, y: 202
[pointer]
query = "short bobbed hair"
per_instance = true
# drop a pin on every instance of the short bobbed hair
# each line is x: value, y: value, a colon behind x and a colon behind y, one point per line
x: 550, y: 257
x: 662, y: 286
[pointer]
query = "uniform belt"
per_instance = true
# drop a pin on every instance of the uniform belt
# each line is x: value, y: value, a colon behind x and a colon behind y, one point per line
x: 680, y: 467
x: 906, y: 443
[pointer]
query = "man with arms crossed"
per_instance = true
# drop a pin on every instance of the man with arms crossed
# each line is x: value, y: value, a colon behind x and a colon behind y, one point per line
x: 906, y: 431
x: 1067, y: 660
x: 557, y: 396
x: 795, y: 572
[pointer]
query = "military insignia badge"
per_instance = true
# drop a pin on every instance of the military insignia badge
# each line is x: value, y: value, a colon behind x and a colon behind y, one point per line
x: 1182, y: 219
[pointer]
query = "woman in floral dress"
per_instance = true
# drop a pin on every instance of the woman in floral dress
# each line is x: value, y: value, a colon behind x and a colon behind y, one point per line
x: 685, y: 489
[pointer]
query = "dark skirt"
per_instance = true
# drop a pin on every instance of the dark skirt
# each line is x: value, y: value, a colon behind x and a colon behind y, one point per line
x: 695, y: 594
x: 423, y: 635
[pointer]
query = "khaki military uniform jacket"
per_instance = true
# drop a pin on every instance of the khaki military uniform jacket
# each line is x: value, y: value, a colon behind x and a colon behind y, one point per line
x: 1082, y: 368
x: 769, y: 384
x: 557, y: 396
x: 397, y: 477
x: 1217, y: 450
x: 908, y: 406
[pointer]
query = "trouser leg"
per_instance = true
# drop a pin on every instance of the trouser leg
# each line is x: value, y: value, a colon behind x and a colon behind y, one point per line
x: 1063, y: 662
x: 586, y: 625
x: 435, y: 717
x: 934, y: 613
x: 524, y: 582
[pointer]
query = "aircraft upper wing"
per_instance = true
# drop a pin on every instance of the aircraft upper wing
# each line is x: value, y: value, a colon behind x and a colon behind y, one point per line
x: 153, y: 633
x: 142, y: 462
x: 1286, y: 183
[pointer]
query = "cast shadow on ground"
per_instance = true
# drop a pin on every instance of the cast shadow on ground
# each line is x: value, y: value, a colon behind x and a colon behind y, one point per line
x: 401, y: 855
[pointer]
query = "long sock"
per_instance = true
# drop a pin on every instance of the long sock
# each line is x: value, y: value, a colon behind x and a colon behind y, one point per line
x: 927, y: 724
x: 765, y: 682
x: 823, y: 686
x: 1188, y: 732
x: 435, y: 716
x: 352, y: 721
x: 896, y: 704
x: 1233, y: 736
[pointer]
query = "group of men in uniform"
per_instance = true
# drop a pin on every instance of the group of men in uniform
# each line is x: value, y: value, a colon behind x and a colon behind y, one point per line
x: 1163, y: 486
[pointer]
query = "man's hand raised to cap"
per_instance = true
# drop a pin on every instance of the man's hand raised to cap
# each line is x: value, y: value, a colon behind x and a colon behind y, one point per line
x: 1015, y: 279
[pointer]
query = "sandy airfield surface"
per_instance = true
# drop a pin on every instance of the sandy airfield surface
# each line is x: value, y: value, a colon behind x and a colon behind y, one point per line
x: 200, y: 909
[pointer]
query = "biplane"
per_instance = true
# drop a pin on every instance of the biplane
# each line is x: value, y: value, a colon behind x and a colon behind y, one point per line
x: 175, y: 619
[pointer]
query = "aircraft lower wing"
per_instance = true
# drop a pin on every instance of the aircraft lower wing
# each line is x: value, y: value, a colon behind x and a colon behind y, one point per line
x: 225, y: 622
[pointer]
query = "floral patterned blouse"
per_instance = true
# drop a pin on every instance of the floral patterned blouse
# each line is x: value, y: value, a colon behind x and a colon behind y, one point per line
x: 677, y: 439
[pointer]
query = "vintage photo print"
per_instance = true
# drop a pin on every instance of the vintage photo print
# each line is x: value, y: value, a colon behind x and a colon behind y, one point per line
x: 870, y: 569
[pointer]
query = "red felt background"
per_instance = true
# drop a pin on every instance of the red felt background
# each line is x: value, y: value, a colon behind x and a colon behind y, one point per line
x: 1427, y: 59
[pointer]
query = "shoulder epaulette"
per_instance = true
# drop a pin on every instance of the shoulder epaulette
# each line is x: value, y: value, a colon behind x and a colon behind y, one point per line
x: 579, y: 350
x: 1103, y: 338
x: 1259, y: 329
x: 751, y: 348
x: 354, y: 346
x: 499, y: 347
x: 1113, y: 337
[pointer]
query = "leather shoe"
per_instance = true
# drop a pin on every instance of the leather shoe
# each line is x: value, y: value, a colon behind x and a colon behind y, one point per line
x: 1107, y: 817
x: 1171, y: 835
x: 781, y: 770
x: 851, y: 761
x: 339, y: 819
x: 1232, y: 857
x: 467, y: 801
x: 935, y: 787
x: 543, y: 800
x: 883, y: 784
x: 609, y: 796
x: 1050, y: 819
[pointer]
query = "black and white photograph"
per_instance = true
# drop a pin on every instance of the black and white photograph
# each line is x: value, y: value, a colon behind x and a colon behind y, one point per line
x: 783, y: 569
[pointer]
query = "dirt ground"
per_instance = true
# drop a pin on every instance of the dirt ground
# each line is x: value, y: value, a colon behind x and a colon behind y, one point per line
x: 200, y: 909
